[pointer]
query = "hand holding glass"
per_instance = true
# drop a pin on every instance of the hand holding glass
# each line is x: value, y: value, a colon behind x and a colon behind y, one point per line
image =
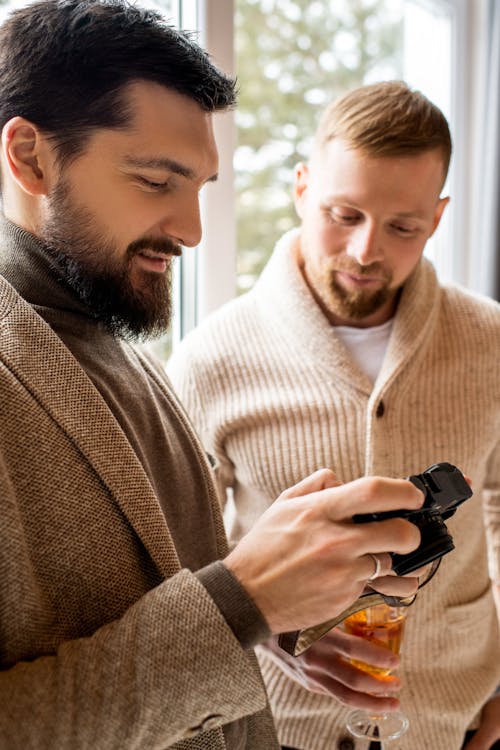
x: 384, y: 626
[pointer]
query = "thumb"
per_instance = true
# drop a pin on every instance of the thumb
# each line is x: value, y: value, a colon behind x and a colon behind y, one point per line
x: 482, y: 740
x: 321, y: 480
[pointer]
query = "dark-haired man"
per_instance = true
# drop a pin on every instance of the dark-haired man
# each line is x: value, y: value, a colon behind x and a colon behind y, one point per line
x: 349, y: 353
x: 120, y: 626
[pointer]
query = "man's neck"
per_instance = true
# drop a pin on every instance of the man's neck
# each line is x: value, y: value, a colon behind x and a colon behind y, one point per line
x: 24, y: 210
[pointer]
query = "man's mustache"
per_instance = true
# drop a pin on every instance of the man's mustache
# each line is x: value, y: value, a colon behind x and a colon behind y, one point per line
x: 375, y: 269
x: 158, y: 244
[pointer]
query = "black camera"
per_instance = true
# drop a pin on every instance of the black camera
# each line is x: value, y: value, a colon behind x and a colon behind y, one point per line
x: 445, y: 489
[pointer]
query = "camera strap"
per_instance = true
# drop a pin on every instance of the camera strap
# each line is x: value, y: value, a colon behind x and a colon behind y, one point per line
x: 298, y: 641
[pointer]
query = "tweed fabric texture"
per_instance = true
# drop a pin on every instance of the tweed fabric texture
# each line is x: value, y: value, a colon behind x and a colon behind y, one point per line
x: 105, y: 641
x: 275, y: 396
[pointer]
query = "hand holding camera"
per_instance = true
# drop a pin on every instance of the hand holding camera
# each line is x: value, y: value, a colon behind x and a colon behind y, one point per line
x: 445, y: 488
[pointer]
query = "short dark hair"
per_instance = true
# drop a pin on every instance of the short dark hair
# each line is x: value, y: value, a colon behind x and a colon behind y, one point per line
x: 386, y: 119
x: 64, y: 65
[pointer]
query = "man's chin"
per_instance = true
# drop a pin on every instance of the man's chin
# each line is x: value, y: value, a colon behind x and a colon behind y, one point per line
x: 357, y: 309
x: 141, y: 316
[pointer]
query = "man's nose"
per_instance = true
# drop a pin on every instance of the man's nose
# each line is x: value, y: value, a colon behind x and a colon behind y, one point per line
x: 365, y: 244
x: 184, y: 222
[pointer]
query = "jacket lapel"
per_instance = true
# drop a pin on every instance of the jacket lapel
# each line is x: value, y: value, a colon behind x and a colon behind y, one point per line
x: 45, y: 367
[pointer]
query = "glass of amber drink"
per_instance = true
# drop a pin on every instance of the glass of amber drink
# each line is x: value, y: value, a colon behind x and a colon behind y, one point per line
x: 383, y: 625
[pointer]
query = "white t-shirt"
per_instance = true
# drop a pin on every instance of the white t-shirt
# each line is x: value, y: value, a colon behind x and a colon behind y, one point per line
x: 367, y: 346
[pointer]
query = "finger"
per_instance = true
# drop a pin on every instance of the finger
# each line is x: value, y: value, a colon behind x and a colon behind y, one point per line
x: 342, y: 677
x: 395, y: 534
x: 365, y: 701
x: 318, y: 681
x: 326, y: 685
x: 321, y: 480
x: 479, y: 741
x: 489, y: 729
x: 394, y: 585
x: 371, y: 495
x: 378, y: 565
x: 354, y: 647
x: 420, y: 572
x: 369, y: 703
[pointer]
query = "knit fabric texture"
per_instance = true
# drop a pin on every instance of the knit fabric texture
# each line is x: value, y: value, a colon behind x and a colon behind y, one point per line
x: 275, y: 396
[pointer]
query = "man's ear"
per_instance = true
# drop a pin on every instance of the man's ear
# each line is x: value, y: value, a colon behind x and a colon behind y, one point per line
x: 441, y: 205
x: 27, y: 156
x: 301, y: 179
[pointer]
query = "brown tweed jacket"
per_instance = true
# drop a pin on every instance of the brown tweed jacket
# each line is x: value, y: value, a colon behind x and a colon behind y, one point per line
x: 104, y: 642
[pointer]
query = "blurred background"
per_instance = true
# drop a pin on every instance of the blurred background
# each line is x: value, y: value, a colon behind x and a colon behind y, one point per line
x: 291, y: 58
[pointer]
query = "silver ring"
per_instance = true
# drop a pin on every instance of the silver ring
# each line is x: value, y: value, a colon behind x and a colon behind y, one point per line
x: 378, y: 566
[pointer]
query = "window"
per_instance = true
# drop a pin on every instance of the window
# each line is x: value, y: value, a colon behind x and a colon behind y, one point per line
x: 292, y: 57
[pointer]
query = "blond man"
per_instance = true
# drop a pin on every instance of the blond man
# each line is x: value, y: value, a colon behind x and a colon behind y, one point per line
x: 349, y: 353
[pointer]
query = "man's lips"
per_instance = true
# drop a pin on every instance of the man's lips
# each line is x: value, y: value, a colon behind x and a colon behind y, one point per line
x: 151, y: 260
x: 352, y: 279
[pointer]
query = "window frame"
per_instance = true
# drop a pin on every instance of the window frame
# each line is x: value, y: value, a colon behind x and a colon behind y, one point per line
x: 208, y: 272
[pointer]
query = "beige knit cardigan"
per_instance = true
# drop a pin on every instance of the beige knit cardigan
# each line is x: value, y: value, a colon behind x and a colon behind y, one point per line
x: 275, y: 396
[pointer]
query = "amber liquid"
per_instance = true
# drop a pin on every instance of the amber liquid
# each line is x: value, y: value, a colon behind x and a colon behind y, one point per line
x: 382, y: 625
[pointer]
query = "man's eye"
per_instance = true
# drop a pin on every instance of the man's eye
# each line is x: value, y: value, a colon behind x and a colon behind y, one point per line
x: 343, y: 218
x: 153, y: 185
x: 403, y: 230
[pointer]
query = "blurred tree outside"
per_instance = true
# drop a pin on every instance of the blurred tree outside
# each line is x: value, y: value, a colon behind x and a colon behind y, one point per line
x: 294, y: 57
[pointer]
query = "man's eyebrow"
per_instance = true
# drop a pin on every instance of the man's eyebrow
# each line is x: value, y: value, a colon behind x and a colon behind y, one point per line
x: 411, y: 214
x: 347, y: 200
x: 170, y: 165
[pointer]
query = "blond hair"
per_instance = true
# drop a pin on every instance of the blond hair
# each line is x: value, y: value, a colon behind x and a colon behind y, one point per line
x: 386, y: 119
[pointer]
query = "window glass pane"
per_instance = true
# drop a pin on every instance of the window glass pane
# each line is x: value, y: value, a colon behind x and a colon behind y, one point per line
x: 7, y: 5
x: 169, y: 8
x: 428, y: 68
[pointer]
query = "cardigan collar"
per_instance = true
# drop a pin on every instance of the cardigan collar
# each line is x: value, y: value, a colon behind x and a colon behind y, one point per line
x: 40, y: 361
x: 289, y: 306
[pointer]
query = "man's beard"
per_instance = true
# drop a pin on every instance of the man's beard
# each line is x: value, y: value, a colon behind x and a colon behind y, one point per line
x: 90, y: 264
x: 352, y: 304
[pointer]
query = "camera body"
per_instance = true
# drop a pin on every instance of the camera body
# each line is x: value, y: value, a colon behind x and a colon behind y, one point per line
x: 445, y: 489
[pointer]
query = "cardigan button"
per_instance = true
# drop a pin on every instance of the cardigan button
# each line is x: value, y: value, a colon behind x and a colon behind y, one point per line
x: 346, y: 743
x: 380, y: 409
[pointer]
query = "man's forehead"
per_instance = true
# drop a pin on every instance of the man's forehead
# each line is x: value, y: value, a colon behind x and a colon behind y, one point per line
x: 340, y: 161
x: 163, y: 131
